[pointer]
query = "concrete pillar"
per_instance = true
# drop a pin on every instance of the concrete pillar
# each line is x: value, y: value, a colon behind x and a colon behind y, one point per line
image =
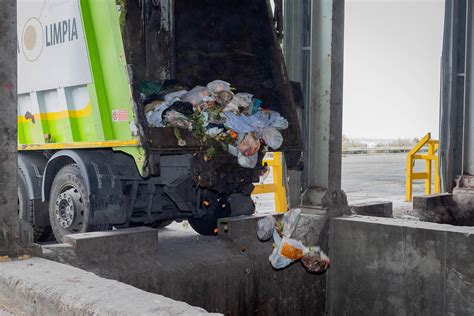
x: 292, y: 43
x: 324, y: 131
x: 13, y: 234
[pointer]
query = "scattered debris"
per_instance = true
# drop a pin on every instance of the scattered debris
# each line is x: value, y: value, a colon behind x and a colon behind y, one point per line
x: 8, y: 259
x: 265, y: 228
x: 287, y: 250
x: 216, y: 116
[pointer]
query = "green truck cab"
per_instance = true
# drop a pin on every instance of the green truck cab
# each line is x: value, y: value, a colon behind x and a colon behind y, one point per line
x: 87, y: 158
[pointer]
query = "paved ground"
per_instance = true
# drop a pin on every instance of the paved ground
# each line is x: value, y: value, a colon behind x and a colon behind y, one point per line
x: 368, y: 178
x: 378, y: 178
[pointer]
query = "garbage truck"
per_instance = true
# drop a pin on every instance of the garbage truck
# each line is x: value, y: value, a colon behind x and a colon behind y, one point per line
x: 87, y: 158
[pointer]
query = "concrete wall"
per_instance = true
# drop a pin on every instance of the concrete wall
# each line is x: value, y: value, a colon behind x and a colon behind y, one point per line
x: 398, y: 267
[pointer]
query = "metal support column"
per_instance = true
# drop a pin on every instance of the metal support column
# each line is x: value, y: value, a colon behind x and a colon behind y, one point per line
x: 324, y: 128
x: 292, y: 42
x: 13, y: 234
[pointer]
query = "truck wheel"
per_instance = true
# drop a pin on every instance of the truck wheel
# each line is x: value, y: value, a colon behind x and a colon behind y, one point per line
x: 69, y: 207
x: 217, y: 208
x: 26, y: 207
x: 234, y: 205
x: 162, y: 224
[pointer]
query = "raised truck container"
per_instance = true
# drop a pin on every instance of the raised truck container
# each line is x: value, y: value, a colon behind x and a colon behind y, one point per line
x: 87, y: 159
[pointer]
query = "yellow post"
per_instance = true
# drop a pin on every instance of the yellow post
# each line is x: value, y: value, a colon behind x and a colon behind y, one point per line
x: 278, y: 187
x: 281, y: 204
x: 409, y: 183
x: 427, y: 175
x: 437, y: 180
x: 428, y: 169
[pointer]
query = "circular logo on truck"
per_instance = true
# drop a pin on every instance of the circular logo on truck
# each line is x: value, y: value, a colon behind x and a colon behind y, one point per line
x: 32, y: 39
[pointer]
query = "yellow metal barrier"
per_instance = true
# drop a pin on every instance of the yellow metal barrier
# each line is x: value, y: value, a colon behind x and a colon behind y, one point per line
x: 427, y: 176
x: 278, y: 186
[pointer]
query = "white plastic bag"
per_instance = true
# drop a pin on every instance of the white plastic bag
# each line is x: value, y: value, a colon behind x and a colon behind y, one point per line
x: 155, y: 118
x: 196, y: 95
x: 217, y: 86
x: 176, y: 119
x: 272, y: 137
x: 290, y: 220
x: 286, y: 251
x: 240, y: 102
x: 247, y: 161
x: 265, y: 227
x: 173, y: 96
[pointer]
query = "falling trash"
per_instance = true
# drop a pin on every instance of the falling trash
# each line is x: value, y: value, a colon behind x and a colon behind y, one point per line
x: 265, y: 227
x: 288, y: 250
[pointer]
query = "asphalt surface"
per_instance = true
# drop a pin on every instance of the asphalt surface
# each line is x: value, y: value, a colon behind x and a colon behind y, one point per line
x: 380, y: 177
x: 367, y: 178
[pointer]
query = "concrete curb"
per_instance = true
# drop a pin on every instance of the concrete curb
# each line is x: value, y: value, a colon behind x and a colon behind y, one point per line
x: 41, y: 287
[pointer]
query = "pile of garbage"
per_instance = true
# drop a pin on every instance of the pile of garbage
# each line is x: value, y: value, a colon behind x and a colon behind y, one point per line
x: 238, y: 122
x: 287, y: 250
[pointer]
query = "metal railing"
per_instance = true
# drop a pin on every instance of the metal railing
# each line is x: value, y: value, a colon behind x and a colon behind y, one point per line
x: 278, y: 186
x: 429, y: 157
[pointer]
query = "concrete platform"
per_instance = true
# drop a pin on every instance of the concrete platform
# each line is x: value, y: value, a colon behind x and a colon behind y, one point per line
x: 137, y: 239
x: 384, y: 266
x: 41, y: 287
x: 229, y: 274
x: 377, y: 209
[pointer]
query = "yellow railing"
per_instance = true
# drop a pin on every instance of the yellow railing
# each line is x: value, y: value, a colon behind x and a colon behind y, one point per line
x: 278, y: 186
x: 431, y: 156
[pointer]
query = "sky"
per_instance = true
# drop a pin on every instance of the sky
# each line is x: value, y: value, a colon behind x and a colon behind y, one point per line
x: 392, y: 54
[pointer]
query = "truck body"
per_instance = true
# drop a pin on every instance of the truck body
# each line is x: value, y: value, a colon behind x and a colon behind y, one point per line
x: 87, y: 158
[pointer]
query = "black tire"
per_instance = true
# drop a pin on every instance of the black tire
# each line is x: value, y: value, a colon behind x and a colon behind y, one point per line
x: 217, y: 208
x: 26, y: 206
x: 69, y: 207
x: 162, y: 224
x: 205, y: 225
x: 234, y: 205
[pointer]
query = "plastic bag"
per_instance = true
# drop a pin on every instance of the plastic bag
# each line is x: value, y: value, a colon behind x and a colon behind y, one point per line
x: 290, y: 220
x: 152, y: 105
x: 176, y: 119
x: 234, y: 151
x: 224, y: 97
x: 247, y: 161
x: 196, y: 95
x: 287, y: 251
x: 255, y: 106
x: 147, y: 89
x: 217, y: 86
x: 280, y: 122
x: 255, y: 122
x: 156, y: 117
x: 263, y: 119
x: 214, y: 131
x: 272, y: 137
x: 315, y: 261
x: 175, y: 95
x: 239, y: 123
x: 239, y: 103
x: 265, y: 227
x: 249, y: 145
